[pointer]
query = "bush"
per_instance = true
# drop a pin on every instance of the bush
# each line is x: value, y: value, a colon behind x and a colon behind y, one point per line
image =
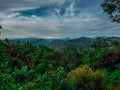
x: 85, y: 78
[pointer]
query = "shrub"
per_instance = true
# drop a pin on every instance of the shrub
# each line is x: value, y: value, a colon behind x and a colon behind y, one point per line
x: 85, y: 78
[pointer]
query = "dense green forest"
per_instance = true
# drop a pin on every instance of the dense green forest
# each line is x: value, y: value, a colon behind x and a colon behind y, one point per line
x: 29, y: 67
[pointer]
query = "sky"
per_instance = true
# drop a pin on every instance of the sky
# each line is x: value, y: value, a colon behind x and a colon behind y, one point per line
x: 55, y: 19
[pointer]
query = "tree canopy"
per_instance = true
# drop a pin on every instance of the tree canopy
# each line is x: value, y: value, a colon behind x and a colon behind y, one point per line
x: 112, y: 8
x: 24, y: 66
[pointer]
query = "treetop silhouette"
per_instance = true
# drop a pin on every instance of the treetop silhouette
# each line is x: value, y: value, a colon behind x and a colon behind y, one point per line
x: 112, y: 8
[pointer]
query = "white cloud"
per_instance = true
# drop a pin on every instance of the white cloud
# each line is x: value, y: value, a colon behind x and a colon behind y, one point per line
x: 6, y: 5
x: 13, y: 15
x: 86, y: 23
x: 53, y: 27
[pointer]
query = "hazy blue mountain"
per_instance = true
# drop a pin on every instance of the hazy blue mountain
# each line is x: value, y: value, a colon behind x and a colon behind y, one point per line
x: 114, y: 38
x: 60, y: 44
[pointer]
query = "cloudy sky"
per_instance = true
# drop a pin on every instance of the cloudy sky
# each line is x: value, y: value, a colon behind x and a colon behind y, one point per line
x: 55, y: 19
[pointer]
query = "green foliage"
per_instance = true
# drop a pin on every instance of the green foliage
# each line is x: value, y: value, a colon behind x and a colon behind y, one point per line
x: 3, y: 53
x: 43, y: 52
x: 85, y: 78
x: 107, y: 58
x: 4, y: 57
x: 29, y: 67
x: 52, y: 80
x: 71, y: 58
x: 6, y: 82
x: 24, y: 75
x: 99, y: 43
x: 45, y: 65
x: 21, y: 76
x: 15, y: 63
x: 112, y: 8
x: 114, y: 80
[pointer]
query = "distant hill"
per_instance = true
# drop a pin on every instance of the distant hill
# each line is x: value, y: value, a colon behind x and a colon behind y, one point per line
x: 60, y: 44
x: 35, y: 41
x: 114, y: 38
x: 77, y: 43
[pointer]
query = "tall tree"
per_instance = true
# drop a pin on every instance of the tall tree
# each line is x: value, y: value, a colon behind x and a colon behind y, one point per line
x: 112, y: 8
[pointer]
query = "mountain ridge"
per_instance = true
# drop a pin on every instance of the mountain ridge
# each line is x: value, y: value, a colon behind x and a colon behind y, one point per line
x: 60, y: 44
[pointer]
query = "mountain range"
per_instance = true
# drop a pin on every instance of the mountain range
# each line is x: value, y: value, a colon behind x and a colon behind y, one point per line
x: 60, y: 44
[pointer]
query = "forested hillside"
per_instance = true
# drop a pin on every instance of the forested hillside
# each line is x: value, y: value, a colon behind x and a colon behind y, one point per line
x: 60, y: 44
x: 24, y: 66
